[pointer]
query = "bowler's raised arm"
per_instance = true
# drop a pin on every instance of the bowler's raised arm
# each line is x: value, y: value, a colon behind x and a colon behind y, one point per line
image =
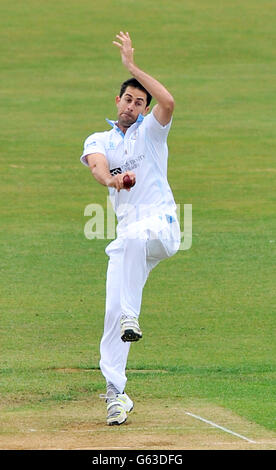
x: 163, y: 110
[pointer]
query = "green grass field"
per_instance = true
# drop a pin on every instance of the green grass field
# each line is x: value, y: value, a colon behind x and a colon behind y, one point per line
x: 214, y: 304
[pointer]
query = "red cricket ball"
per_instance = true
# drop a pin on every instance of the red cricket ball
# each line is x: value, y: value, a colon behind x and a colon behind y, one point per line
x: 128, y: 182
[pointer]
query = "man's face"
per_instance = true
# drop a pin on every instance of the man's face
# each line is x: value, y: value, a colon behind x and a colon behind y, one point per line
x: 132, y: 103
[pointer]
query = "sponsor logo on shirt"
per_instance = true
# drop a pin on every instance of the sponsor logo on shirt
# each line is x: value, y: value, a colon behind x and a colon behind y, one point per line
x: 116, y: 171
x: 133, y: 163
x: 129, y: 165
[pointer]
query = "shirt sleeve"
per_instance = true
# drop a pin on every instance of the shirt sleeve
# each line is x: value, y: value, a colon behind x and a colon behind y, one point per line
x: 155, y: 129
x: 93, y: 144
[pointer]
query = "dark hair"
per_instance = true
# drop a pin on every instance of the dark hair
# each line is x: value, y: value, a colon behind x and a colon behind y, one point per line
x: 135, y: 84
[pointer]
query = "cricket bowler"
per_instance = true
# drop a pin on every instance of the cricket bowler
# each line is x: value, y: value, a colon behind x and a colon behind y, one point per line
x: 131, y: 160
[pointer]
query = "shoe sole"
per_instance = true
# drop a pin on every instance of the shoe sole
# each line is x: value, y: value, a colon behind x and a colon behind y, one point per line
x: 116, y: 423
x: 118, y: 420
x: 130, y: 335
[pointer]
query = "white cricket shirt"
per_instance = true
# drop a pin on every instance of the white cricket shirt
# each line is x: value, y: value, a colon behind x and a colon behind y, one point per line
x: 142, y: 149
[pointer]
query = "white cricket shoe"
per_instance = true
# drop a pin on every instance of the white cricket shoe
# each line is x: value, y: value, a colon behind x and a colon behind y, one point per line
x: 118, y: 405
x: 130, y: 329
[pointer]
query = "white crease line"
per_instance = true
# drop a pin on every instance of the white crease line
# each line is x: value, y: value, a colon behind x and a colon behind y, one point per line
x: 220, y: 427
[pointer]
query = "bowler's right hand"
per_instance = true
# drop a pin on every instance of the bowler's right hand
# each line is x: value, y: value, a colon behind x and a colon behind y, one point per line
x: 118, y: 183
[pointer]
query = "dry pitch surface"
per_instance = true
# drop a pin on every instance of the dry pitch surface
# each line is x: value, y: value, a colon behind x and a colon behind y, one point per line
x: 152, y: 425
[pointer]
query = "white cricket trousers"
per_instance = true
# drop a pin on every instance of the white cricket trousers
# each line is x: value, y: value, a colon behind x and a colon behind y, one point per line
x: 131, y: 258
